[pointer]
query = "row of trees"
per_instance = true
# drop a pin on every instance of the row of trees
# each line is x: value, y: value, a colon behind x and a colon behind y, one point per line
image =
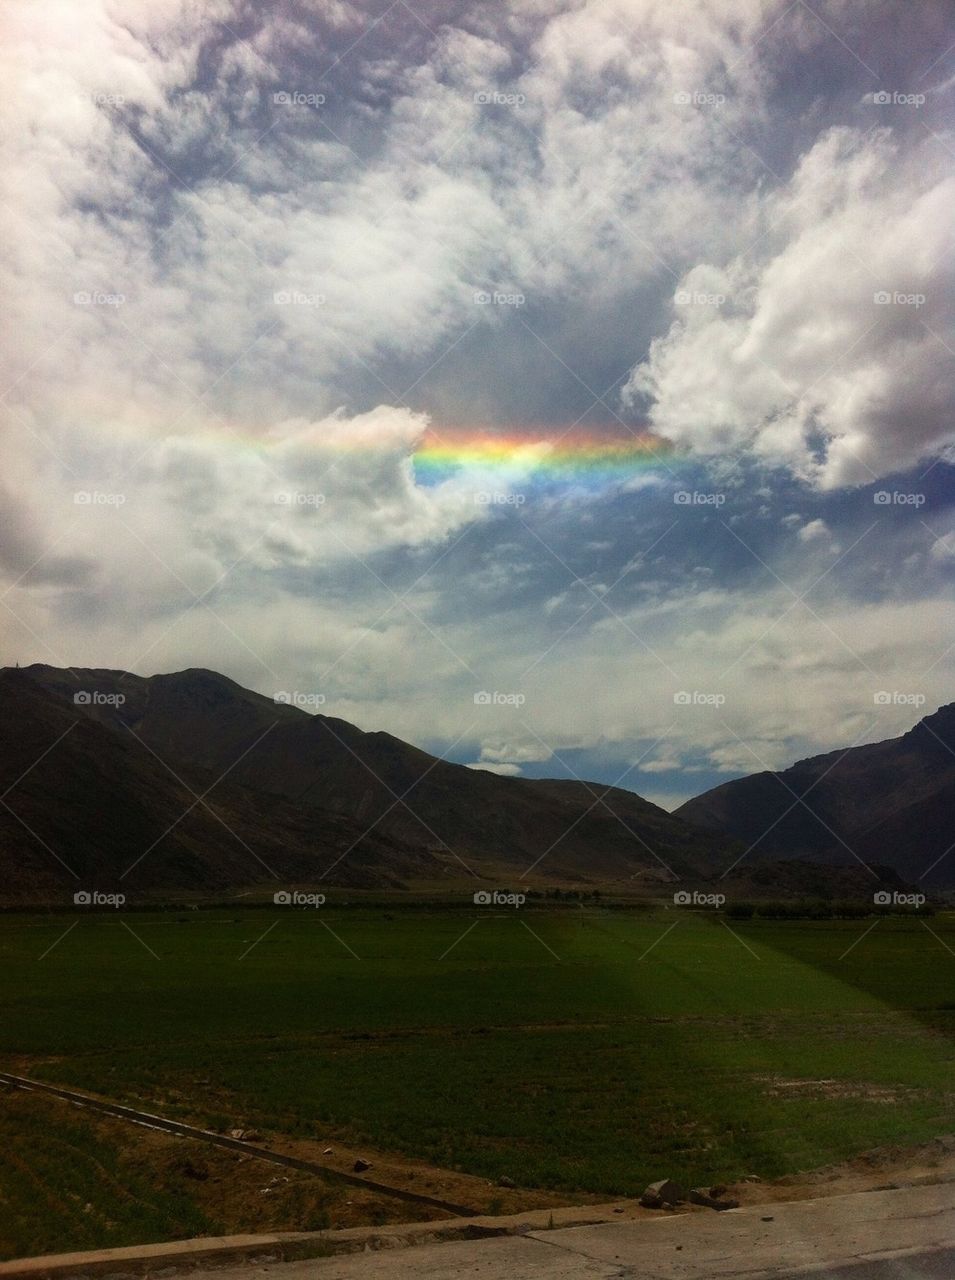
x: 819, y: 909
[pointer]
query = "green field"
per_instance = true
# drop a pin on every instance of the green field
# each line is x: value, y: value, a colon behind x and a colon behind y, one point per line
x: 567, y: 1048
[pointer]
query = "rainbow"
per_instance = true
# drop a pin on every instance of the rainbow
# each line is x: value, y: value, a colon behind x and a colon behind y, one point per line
x: 573, y: 456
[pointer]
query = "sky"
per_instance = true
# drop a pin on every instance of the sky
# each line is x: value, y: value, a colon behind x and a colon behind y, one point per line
x: 564, y: 386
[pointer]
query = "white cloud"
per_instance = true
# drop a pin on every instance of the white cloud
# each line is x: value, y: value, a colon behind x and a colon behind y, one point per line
x: 200, y: 398
x: 831, y: 352
x: 502, y: 770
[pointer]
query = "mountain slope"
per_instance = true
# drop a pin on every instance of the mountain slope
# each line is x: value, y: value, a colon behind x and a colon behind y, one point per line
x: 430, y: 818
x: 86, y: 806
x: 889, y: 802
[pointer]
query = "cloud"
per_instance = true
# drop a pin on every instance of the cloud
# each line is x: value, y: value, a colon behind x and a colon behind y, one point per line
x: 502, y: 770
x: 830, y: 352
x: 527, y: 752
x: 231, y: 318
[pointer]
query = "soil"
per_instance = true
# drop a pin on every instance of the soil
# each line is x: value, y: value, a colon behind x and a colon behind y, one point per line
x: 241, y: 1193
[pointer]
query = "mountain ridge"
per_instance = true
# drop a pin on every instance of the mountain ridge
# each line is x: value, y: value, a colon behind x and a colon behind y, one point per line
x: 426, y: 818
x: 891, y: 801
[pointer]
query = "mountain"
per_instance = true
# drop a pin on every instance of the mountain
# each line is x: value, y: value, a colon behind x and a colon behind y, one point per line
x: 104, y: 769
x: 889, y: 802
x: 82, y: 803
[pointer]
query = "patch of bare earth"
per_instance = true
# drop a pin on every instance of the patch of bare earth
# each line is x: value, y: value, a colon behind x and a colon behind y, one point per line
x: 881, y: 1169
x: 829, y: 1090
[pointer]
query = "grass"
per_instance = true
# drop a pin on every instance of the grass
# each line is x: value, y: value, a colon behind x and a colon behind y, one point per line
x: 568, y: 1049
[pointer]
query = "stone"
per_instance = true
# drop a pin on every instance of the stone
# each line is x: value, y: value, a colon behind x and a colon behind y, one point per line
x: 361, y: 1165
x: 669, y: 1192
x: 702, y: 1195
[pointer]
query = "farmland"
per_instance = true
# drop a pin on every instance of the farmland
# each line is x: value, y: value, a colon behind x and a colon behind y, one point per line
x: 578, y: 1050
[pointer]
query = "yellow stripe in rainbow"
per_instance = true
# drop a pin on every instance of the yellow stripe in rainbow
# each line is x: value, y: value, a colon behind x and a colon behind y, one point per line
x: 571, y: 456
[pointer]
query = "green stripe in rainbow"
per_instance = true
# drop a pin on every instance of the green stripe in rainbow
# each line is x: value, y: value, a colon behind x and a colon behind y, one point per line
x: 575, y: 456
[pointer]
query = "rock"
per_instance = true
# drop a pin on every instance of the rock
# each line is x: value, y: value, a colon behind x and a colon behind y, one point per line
x: 361, y: 1165
x: 718, y: 1192
x: 650, y: 1200
x: 768, y: 1218
x: 666, y: 1191
x: 701, y: 1195
x: 327, y: 1151
x: 751, y: 1177
x: 245, y: 1135
x: 506, y: 1182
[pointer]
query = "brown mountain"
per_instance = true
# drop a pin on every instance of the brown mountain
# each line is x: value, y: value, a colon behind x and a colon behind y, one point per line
x: 890, y: 802
x: 287, y: 789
